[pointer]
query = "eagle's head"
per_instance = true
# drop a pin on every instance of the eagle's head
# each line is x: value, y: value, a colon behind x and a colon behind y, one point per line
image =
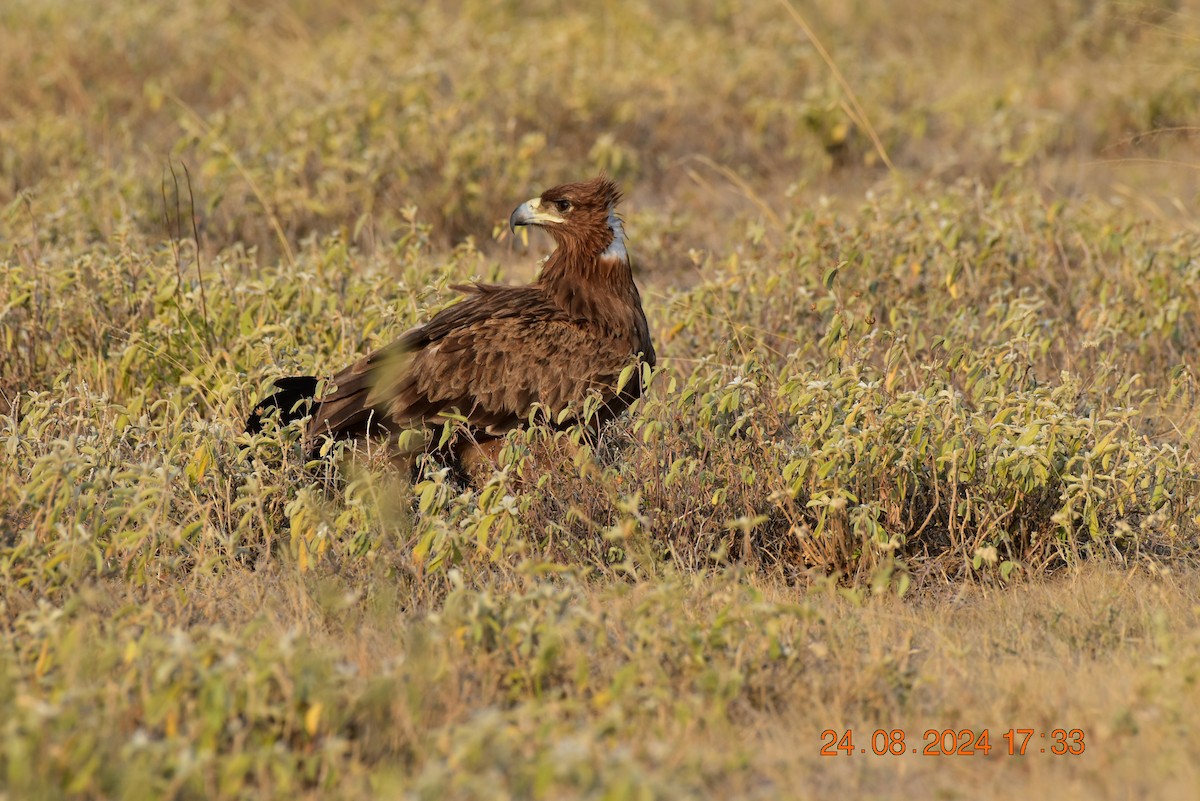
x: 581, y: 217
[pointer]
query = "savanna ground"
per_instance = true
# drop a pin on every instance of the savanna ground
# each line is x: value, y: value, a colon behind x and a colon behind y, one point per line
x: 919, y: 454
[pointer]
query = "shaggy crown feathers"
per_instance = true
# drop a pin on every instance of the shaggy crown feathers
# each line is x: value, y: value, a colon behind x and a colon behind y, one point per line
x: 599, y: 193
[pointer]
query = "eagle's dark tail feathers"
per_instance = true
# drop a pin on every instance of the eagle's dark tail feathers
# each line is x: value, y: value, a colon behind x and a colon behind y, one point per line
x: 293, y: 400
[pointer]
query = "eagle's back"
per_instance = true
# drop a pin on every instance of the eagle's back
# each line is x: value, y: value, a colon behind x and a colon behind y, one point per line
x: 490, y: 358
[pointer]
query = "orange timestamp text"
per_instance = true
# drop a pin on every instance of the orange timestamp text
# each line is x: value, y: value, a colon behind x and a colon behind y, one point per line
x: 955, y: 742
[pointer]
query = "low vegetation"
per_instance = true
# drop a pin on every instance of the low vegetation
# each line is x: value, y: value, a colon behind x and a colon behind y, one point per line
x: 918, y: 453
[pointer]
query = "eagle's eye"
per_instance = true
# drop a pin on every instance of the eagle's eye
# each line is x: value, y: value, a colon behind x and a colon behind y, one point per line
x: 563, y: 206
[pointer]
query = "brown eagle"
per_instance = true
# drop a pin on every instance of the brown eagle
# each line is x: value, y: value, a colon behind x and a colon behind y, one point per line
x: 490, y: 357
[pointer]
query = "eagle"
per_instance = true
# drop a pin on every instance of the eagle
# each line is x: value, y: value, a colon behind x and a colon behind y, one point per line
x: 487, y: 361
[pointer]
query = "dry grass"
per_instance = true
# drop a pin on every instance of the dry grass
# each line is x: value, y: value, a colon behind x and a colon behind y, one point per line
x: 680, y: 686
x: 1112, y: 654
x: 920, y: 452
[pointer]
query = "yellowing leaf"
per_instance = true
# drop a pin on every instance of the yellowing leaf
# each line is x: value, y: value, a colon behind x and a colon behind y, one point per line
x: 312, y: 718
x: 623, y: 379
x: 302, y: 557
x: 202, y: 459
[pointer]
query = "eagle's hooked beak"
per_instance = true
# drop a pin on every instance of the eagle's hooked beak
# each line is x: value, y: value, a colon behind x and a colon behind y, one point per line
x: 531, y: 213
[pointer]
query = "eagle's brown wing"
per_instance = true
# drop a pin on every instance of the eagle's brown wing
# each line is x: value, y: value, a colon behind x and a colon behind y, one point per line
x: 489, y: 358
